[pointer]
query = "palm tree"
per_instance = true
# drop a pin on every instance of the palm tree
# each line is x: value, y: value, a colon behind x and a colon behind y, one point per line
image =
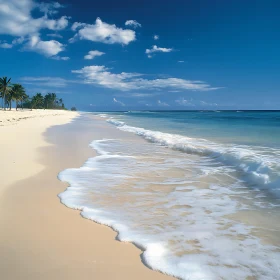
x: 37, y: 101
x: 5, y: 87
x: 17, y: 93
x: 53, y: 100
x: 47, y: 100
x: 23, y: 98
x: 9, y: 98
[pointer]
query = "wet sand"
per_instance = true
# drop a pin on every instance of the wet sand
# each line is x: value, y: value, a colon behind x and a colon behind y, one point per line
x: 40, y: 238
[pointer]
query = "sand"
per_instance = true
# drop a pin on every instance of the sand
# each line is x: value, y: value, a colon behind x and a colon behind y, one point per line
x: 40, y: 238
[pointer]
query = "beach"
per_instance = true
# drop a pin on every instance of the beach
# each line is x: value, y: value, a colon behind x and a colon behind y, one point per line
x: 197, y: 195
x: 184, y: 197
x: 40, y: 238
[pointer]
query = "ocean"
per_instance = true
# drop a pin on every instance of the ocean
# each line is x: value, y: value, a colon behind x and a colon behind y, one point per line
x: 197, y: 191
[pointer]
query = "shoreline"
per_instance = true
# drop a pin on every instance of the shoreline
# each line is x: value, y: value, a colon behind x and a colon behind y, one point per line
x: 41, y: 238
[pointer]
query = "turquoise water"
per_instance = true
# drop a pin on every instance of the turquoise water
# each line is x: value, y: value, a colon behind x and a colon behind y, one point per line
x: 199, y: 192
x: 240, y: 127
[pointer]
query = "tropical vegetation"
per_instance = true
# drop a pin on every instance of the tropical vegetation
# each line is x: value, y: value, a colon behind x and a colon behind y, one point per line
x: 16, y: 93
x: 5, y: 88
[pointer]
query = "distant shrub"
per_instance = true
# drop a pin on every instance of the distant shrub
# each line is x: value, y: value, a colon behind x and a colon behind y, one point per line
x: 73, y: 109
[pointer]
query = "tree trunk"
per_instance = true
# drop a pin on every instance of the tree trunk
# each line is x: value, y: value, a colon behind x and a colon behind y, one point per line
x: 4, y: 101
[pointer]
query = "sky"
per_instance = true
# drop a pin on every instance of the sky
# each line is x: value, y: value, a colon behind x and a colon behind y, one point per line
x: 145, y: 55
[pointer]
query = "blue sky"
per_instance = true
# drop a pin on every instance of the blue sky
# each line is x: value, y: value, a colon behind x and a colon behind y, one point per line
x: 151, y: 55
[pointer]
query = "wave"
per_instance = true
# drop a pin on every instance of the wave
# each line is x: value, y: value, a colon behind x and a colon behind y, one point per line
x: 185, y: 232
x: 102, y: 115
x: 259, y: 166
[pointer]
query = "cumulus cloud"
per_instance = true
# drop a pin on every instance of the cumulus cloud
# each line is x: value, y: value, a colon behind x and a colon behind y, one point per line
x: 101, y: 76
x: 118, y: 102
x: 133, y: 23
x: 156, y: 49
x: 77, y: 25
x: 102, y: 32
x: 49, y: 8
x: 16, y: 19
x: 47, y: 48
x: 156, y: 37
x: 93, y: 54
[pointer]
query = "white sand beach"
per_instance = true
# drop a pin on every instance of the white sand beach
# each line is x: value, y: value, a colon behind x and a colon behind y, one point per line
x: 40, y: 238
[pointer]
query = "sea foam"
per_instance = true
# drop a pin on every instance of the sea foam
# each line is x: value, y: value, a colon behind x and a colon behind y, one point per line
x: 260, y: 166
x: 181, y: 211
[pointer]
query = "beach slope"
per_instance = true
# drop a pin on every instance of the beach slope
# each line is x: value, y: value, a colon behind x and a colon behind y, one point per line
x: 40, y: 238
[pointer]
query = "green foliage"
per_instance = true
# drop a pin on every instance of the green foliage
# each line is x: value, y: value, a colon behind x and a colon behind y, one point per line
x: 73, y: 109
x: 16, y: 92
x: 5, y: 88
x: 37, y: 101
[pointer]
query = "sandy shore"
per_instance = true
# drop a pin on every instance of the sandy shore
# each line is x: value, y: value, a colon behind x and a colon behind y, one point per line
x: 40, y: 238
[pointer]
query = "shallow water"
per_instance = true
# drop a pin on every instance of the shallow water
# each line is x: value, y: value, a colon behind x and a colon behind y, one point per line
x: 199, y: 205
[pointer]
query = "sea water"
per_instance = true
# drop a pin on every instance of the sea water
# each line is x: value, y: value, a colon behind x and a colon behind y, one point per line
x: 200, y: 196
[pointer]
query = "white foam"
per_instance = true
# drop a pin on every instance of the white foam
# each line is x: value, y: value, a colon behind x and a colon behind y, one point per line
x: 102, y: 115
x: 183, y: 227
x: 260, y: 165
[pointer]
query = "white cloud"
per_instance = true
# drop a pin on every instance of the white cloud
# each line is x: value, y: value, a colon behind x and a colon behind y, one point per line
x: 100, y: 75
x: 118, y: 102
x: 156, y: 37
x: 16, y: 20
x: 57, y: 57
x: 156, y: 49
x: 5, y: 45
x: 146, y: 95
x: 181, y: 61
x: 58, y: 24
x: 194, y: 103
x: 102, y: 32
x: 54, y: 82
x: 49, y: 8
x: 47, y: 48
x: 184, y: 102
x: 163, y: 104
x: 133, y: 23
x: 93, y: 54
x: 16, y: 41
x: 203, y: 103
x: 77, y: 25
